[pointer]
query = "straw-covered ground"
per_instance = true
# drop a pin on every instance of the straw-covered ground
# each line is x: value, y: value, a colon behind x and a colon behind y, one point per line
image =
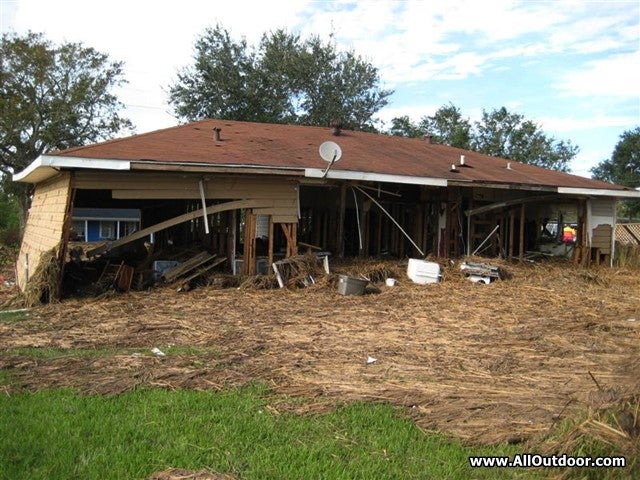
x: 486, y: 363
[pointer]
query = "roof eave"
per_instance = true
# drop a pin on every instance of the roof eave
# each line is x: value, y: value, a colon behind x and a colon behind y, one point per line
x: 373, y: 177
x: 46, y: 166
x: 599, y: 192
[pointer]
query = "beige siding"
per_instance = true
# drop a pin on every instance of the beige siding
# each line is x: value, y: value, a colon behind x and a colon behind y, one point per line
x: 601, y: 238
x: 126, y: 185
x: 44, y: 223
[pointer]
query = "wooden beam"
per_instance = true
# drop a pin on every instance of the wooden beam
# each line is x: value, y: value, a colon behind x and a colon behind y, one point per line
x: 512, y: 226
x: 221, y: 207
x: 249, y: 252
x: 501, y: 186
x: 341, y: 215
x: 271, y: 231
x: 521, y: 252
x: 508, y: 203
x: 232, y: 238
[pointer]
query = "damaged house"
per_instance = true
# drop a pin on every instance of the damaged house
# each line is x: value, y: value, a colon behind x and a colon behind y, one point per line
x: 253, y: 193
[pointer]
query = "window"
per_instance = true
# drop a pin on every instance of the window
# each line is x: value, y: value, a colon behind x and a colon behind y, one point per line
x: 78, y: 231
x: 107, y: 230
x: 128, y: 227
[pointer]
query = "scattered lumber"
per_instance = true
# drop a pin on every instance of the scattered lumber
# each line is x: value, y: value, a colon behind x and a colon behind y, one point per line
x: 187, y: 267
x: 185, y: 284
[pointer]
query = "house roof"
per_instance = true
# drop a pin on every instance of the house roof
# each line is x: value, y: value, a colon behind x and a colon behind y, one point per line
x: 294, y: 148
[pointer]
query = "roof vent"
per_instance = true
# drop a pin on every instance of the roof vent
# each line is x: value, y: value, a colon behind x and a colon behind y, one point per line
x: 453, y: 168
x: 216, y: 133
x: 509, y: 166
x: 428, y: 138
x: 336, y: 127
x: 462, y: 160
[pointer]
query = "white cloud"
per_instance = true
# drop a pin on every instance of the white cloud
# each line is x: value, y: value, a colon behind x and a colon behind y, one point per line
x: 616, y: 76
x: 599, y: 120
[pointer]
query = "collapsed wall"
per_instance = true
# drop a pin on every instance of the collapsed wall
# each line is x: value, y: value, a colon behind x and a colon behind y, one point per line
x: 45, y: 225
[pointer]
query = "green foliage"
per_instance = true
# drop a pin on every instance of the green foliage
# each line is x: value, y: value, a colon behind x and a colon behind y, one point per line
x: 508, y: 135
x: 500, y: 133
x: 9, y: 219
x: 53, y: 97
x: 623, y: 168
x: 285, y: 79
x: 60, y: 434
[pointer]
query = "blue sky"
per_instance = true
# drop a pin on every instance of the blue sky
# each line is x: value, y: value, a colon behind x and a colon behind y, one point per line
x: 571, y: 66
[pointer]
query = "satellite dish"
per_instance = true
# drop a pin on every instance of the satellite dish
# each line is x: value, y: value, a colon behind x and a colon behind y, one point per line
x: 330, y: 152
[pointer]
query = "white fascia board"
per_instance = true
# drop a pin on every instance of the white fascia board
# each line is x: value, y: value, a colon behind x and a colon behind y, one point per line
x: 599, y: 192
x: 46, y: 166
x: 374, y: 177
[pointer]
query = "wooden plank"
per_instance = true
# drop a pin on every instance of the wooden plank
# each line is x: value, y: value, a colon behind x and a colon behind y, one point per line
x: 249, y: 251
x: 187, y: 267
x: 285, y: 219
x: 194, y: 194
x: 185, y: 282
x: 221, y: 207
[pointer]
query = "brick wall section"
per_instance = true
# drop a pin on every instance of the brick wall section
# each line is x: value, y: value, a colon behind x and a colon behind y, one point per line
x: 44, y: 224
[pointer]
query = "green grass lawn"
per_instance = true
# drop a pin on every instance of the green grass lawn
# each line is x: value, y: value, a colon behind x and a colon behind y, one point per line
x: 58, y: 434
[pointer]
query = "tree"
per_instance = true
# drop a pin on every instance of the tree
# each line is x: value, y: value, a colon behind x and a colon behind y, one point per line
x: 446, y: 126
x: 499, y: 133
x: 284, y: 80
x: 51, y: 98
x: 508, y: 135
x: 405, y: 127
x: 623, y: 168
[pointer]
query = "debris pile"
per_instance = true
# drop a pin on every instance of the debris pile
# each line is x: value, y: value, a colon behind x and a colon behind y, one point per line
x: 484, y: 364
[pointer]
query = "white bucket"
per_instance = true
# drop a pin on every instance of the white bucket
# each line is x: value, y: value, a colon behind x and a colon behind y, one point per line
x: 391, y: 282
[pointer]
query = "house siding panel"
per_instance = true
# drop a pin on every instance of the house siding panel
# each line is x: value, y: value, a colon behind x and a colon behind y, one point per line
x: 45, y: 223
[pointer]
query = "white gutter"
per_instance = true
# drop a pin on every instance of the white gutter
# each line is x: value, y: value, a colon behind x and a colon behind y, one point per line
x: 599, y: 192
x: 374, y: 177
x: 46, y: 166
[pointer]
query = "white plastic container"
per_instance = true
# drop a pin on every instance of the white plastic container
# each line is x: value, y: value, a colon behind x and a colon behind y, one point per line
x: 423, y: 272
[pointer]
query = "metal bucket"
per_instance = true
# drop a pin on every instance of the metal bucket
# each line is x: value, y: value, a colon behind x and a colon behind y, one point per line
x: 351, y: 285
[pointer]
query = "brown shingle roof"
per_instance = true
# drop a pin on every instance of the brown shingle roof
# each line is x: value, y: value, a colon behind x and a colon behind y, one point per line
x: 293, y: 146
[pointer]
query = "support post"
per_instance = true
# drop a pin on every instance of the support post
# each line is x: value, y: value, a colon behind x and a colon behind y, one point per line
x: 270, y: 252
x: 521, y: 252
x: 231, y: 239
x: 341, y: 214
x: 249, y: 254
x: 512, y: 226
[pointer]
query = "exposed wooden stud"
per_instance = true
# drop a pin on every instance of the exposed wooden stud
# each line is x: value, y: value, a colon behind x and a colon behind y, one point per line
x: 232, y: 238
x: 341, y: 214
x: 512, y: 226
x: 270, y: 248
x: 249, y: 251
x: 522, y: 219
